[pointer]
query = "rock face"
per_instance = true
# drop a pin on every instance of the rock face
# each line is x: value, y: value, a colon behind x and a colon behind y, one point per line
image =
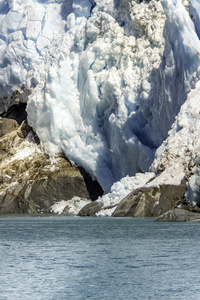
x: 30, y: 182
x: 37, y: 196
x: 178, y: 215
x: 150, y: 201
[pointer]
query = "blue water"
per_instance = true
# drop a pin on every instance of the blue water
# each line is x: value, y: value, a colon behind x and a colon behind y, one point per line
x: 98, y: 258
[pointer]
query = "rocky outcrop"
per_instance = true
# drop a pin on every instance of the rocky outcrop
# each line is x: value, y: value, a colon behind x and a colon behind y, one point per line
x: 150, y: 201
x: 34, y: 184
x: 38, y: 195
x: 178, y: 215
x: 30, y: 182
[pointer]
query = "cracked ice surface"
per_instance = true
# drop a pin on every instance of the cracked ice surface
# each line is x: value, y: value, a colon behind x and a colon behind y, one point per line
x: 26, y: 31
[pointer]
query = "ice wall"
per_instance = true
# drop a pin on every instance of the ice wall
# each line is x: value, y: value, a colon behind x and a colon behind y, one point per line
x: 178, y: 72
x: 100, y: 79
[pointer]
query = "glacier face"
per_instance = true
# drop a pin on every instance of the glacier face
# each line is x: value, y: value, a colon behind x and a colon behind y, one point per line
x: 100, y: 80
x: 104, y: 80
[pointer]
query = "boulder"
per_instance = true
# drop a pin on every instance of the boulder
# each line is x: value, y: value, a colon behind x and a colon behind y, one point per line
x: 150, y: 201
x: 90, y: 209
x: 178, y: 215
x: 7, y: 126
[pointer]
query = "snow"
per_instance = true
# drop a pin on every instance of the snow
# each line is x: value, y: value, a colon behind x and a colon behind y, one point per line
x: 73, y: 205
x: 104, y: 82
x: 24, y: 150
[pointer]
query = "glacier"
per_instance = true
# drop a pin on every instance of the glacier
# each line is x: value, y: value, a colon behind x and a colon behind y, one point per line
x: 106, y: 82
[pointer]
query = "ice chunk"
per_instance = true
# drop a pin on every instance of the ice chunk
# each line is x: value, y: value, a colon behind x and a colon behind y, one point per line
x: 73, y: 206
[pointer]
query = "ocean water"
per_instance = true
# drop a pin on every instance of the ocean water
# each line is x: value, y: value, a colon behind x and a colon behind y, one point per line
x: 98, y: 258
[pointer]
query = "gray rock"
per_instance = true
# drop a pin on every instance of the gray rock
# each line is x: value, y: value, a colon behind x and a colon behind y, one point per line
x: 150, y: 201
x: 90, y: 209
x: 12, y: 203
x: 178, y: 215
x: 38, y: 196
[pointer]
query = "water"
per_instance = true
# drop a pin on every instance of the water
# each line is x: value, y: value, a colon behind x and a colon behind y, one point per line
x: 98, y: 258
